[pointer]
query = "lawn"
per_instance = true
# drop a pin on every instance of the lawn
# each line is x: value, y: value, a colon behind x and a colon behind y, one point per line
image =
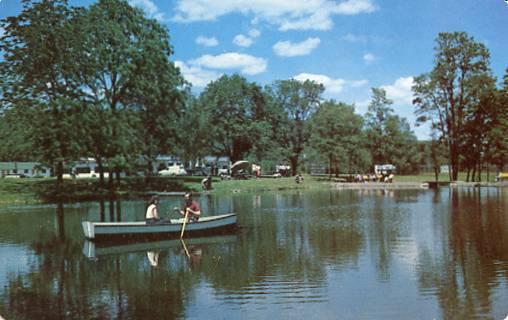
x: 32, y: 191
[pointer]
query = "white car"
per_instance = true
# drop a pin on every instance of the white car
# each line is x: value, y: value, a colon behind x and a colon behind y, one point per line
x: 173, y: 171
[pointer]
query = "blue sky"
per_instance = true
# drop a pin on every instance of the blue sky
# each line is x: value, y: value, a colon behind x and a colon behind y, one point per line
x: 348, y: 45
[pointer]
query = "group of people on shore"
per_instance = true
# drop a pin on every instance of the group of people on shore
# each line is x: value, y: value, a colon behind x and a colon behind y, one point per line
x: 189, y: 209
x: 380, y: 177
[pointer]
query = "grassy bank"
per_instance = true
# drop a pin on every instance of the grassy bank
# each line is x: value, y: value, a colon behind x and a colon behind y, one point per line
x: 33, y: 191
x: 265, y: 184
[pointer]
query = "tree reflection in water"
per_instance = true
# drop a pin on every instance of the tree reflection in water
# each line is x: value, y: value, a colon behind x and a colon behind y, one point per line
x: 473, y: 257
x: 291, y: 249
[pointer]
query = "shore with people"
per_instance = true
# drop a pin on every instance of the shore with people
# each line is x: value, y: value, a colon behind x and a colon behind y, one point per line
x: 33, y: 191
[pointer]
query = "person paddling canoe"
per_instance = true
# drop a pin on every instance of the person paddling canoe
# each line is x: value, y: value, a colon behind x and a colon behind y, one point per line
x: 191, y: 208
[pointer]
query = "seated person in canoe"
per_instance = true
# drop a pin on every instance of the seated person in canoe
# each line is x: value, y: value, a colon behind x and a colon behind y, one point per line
x: 152, y: 215
x: 190, y: 208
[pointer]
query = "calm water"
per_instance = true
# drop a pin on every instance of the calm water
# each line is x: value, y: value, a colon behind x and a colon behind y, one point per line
x: 316, y: 255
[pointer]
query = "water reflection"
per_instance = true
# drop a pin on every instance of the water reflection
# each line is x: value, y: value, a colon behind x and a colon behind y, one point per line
x: 153, y: 257
x: 343, y: 254
x: 473, y: 265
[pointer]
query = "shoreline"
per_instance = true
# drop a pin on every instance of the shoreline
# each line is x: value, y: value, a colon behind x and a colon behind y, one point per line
x: 417, y: 185
x: 29, y: 192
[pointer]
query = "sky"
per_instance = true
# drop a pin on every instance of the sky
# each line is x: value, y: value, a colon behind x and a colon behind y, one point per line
x: 350, y: 46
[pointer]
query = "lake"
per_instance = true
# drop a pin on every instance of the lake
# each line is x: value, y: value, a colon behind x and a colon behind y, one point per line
x: 334, y: 254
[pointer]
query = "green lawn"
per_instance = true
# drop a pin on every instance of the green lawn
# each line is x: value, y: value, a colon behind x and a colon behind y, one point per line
x: 32, y: 191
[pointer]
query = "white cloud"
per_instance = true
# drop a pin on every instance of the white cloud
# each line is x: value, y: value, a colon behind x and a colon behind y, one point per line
x: 332, y: 86
x: 369, y: 58
x: 247, y: 64
x: 359, y: 83
x: 355, y: 38
x: 246, y: 41
x: 197, y: 75
x: 287, y: 15
x: 207, y: 42
x: 400, y: 91
x: 254, y: 33
x: 352, y: 7
x: 242, y: 41
x: 149, y: 7
x: 289, y: 49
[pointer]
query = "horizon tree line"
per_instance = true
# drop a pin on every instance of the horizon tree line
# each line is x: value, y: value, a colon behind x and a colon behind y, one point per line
x: 99, y: 82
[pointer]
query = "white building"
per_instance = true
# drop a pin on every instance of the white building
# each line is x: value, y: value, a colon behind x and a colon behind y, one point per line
x: 24, y: 169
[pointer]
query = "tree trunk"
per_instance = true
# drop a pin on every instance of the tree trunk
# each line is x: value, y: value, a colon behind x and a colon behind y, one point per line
x: 117, y: 174
x: 294, y: 165
x: 59, y: 175
x: 454, y: 163
x: 330, y: 171
x: 101, y: 172
x: 110, y: 180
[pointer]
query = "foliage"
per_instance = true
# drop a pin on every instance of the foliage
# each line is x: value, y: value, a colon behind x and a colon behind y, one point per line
x: 497, y: 148
x: 98, y: 82
x: 91, y: 82
x: 297, y: 101
x: 337, y: 136
x: 236, y: 111
x: 390, y: 139
x: 130, y: 82
x: 446, y: 95
x: 39, y: 63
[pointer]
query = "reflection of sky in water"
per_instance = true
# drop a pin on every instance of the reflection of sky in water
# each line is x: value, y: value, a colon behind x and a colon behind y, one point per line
x: 14, y: 259
x: 353, y: 254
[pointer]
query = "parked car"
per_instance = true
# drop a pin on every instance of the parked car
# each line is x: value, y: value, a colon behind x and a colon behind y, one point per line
x: 15, y: 175
x: 174, y: 170
x: 197, y: 172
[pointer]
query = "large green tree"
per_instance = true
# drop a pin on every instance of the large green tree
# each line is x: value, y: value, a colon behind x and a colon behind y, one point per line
x: 129, y: 83
x: 390, y: 139
x: 236, y: 109
x: 337, y: 136
x: 496, y: 151
x: 445, y: 96
x: 297, y: 101
x: 379, y: 111
x: 40, y: 59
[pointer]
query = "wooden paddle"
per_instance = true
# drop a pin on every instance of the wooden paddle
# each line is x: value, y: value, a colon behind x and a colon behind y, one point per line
x: 184, y: 223
x: 185, y: 248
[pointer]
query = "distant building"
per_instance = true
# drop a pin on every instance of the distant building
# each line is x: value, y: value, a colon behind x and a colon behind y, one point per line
x: 85, y: 168
x: 24, y: 169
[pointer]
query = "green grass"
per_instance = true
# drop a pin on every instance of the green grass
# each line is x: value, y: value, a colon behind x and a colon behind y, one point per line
x: 32, y: 191
x: 264, y: 184
x: 17, y: 191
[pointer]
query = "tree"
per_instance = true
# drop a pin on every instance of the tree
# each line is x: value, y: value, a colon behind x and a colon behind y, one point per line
x: 496, y: 148
x: 236, y: 108
x: 378, y: 113
x: 39, y: 64
x: 336, y: 135
x: 196, y: 126
x: 459, y: 78
x: 129, y: 82
x: 298, y: 101
x: 390, y: 139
